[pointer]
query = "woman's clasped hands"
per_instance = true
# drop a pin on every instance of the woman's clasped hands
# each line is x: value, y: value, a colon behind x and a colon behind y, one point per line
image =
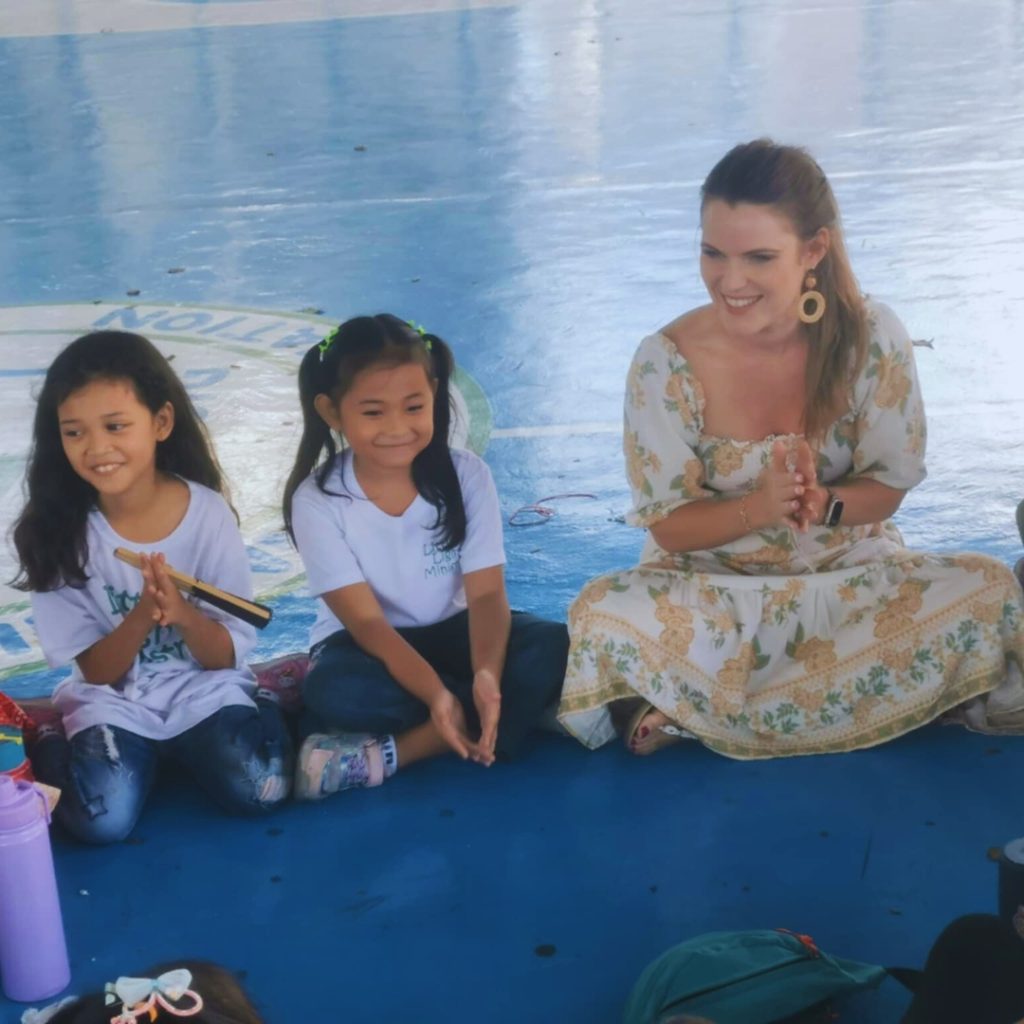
x: 789, y: 492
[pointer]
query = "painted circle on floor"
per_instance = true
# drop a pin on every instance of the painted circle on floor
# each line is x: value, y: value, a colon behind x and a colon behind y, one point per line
x: 239, y: 366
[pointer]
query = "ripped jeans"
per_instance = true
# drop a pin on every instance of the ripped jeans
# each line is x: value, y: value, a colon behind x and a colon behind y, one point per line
x: 241, y: 756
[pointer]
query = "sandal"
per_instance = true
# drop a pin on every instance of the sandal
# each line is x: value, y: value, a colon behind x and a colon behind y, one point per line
x: 665, y: 735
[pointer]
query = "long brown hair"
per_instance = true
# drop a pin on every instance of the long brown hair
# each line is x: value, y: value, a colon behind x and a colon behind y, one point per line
x: 788, y: 178
x: 224, y: 1000
x: 50, y: 534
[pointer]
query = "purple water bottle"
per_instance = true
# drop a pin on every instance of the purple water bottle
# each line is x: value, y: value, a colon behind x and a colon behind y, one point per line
x: 33, y: 954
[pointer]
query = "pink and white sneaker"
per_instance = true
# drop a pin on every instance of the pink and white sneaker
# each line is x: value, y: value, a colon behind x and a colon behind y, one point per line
x: 330, y: 762
x: 281, y: 680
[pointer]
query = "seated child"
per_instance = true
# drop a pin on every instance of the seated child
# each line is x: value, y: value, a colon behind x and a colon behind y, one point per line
x: 414, y: 647
x: 121, y: 459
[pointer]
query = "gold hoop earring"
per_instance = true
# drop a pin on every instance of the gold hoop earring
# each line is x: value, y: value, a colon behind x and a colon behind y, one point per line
x: 815, y: 299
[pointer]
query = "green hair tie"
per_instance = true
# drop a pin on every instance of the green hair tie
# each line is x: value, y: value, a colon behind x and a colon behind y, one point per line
x: 325, y: 345
x: 422, y: 332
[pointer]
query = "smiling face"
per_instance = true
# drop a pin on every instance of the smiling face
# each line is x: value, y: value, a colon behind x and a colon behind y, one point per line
x: 754, y: 264
x: 110, y: 437
x: 386, y: 416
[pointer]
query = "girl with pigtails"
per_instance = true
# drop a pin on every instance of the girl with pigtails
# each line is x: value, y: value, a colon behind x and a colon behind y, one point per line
x: 414, y: 651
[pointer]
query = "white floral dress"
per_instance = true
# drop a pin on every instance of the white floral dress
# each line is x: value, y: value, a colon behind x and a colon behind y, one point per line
x: 782, y: 643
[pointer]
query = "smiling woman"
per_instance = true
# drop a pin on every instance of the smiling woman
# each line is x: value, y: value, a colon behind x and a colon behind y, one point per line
x: 769, y: 437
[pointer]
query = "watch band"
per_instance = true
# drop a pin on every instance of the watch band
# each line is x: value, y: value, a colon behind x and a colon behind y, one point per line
x: 833, y: 508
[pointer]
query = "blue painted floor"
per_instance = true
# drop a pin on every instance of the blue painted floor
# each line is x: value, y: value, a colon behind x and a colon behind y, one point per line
x: 522, y: 178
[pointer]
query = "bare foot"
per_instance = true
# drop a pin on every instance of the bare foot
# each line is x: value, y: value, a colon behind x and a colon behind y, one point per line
x: 648, y: 733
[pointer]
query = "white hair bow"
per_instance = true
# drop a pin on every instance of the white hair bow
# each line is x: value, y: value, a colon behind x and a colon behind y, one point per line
x: 142, y: 996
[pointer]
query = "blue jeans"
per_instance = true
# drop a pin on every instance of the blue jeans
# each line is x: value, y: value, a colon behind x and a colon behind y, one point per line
x: 350, y: 690
x: 241, y: 756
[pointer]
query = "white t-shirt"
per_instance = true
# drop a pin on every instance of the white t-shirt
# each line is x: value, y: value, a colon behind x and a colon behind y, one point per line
x: 344, y: 538
x: 166, y: 691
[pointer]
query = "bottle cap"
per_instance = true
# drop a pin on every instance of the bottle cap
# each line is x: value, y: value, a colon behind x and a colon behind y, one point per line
x: 21, y: 804
x: 1013, y: 851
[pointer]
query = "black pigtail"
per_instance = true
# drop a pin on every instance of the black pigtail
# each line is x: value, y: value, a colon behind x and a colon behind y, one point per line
x: 433, y: 470
x: 317, y: 442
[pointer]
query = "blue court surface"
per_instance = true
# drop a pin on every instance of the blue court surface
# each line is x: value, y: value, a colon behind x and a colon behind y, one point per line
x: 521, y: 177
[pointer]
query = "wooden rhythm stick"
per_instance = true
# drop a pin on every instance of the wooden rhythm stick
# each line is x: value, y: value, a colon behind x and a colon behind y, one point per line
x: 257, y: 615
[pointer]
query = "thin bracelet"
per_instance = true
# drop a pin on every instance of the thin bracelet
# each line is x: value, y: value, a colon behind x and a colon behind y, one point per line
x: 743, y: 513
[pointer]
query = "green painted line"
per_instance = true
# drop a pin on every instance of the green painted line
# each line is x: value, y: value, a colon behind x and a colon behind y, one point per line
x: 21, y: 670
x: 481, y: 419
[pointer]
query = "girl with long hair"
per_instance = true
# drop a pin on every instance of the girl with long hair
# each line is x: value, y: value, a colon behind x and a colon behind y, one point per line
x: 120, y: 459
x: 770, y: 435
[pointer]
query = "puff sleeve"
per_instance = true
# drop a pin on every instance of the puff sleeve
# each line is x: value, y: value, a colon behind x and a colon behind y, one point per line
x: 661, y: 429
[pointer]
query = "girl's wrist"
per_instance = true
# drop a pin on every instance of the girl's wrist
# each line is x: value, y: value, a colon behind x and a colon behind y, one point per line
x: 143, y: 610
x: 491, y: 669
x: 431, y: 689
x: 440, y: 693
x: 190, y: 619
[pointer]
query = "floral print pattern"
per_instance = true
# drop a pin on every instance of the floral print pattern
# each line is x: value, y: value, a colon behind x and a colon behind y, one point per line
x: 781, y: 643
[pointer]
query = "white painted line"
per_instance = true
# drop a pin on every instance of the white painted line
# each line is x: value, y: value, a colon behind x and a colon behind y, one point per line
x: 557, y: 430
x: 58, y: 17
x: 536, y: 189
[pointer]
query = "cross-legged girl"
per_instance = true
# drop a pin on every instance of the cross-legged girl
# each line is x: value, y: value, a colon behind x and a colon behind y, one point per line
x: 414, y: 649
x: 120, y: 459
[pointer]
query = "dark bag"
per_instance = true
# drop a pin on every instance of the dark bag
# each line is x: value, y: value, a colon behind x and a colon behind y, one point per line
x: 974, y: 975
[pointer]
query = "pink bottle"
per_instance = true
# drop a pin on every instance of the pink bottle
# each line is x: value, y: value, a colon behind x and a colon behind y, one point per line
x: 33, y: 953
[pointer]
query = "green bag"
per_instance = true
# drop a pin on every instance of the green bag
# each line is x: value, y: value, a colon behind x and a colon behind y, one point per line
x: 751, y: 977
